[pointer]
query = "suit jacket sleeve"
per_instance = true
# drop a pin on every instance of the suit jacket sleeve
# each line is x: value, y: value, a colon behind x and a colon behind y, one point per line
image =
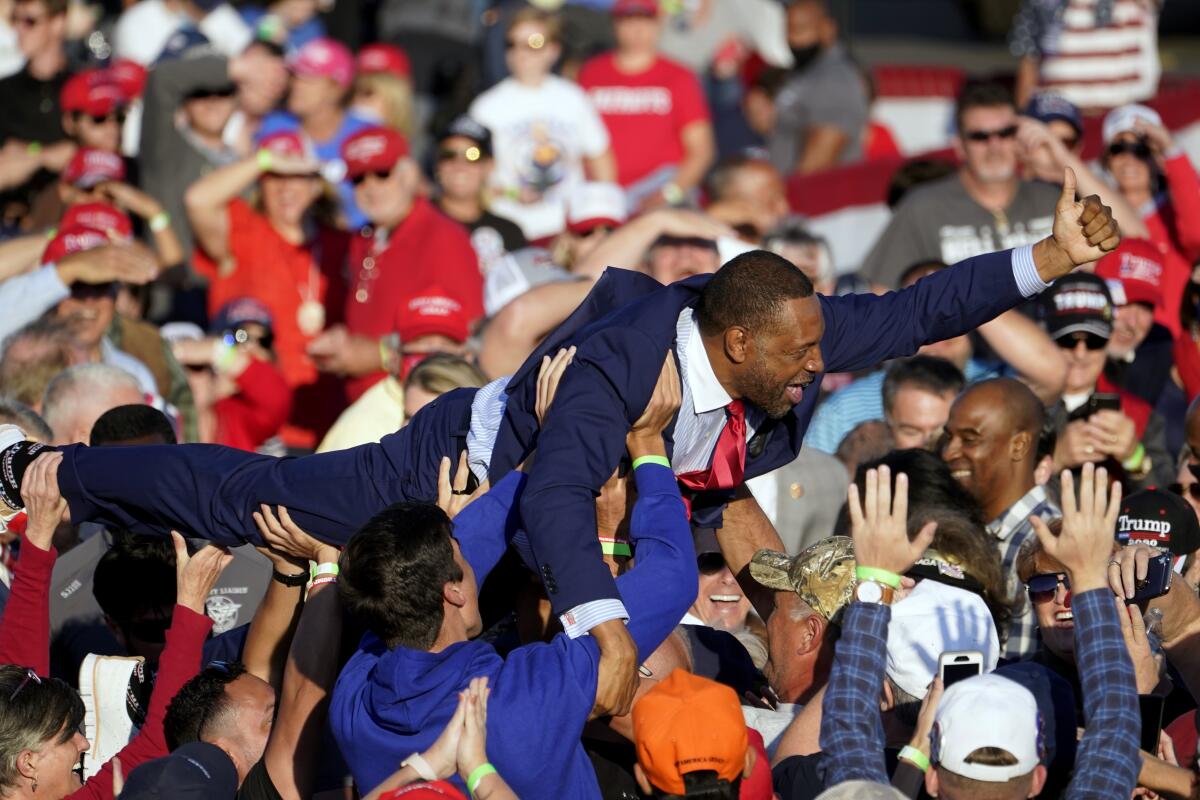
x: 601, y: 394
x: 862, y: 330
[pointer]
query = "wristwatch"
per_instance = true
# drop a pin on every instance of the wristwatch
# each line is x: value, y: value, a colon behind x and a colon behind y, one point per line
x: 874, y: 592
x: 290, y: 580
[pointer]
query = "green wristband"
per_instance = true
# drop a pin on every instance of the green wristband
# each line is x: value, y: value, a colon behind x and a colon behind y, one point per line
x: 919, y: 759
x: 660, y: 460
x: 477, y: 775
x: 616, y: 548
x: 1134, y: 462
x: 264, y: 159
x: 878, y: 575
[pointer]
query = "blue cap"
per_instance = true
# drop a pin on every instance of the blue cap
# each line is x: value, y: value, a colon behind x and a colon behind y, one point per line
x: 180, y: 42
x: 1048, y: 106
x: 195, y: 771
x: 239, y: 312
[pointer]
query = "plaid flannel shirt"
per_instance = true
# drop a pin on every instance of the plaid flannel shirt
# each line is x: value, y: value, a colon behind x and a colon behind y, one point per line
x: 1012, y: 529
x: 1107, y: 761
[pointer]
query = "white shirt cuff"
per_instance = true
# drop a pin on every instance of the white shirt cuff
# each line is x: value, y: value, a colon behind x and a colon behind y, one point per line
x: 1029, y: 282
x: 582, y: 618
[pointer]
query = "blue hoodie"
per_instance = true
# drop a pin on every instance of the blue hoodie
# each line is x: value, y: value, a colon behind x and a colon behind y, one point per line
x: 388, y: 704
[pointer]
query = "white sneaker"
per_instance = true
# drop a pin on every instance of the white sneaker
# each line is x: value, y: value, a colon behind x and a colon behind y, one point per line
x: 104, y: 685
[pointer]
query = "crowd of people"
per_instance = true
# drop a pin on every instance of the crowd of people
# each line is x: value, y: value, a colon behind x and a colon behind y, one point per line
x: 448, y: 403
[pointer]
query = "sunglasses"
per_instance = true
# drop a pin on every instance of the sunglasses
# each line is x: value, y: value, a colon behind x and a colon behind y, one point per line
x: 1045, y: 586
x: 1138, y: 148
x: 710, y: 563
x: 536, y: 41
x: 983, y: 136
x: 471, y: 154
x: 208, y: 94
x: 1090, y: 340
x: 30, y: 675
x: 100, y: 119
x: 381, y: 174
x: 1192, y: 490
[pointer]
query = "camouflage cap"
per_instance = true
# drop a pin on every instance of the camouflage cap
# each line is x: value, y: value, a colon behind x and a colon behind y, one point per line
x: 822, y: 575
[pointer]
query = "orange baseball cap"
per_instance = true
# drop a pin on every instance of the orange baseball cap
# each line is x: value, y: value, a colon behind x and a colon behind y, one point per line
x: 686, y: 724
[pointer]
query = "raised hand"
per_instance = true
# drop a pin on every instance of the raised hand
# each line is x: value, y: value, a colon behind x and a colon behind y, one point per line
x: 879, y: 525
x: 549, y: 374
x: 196, y: 575
x: 44, y: 503
x: 1085, y: 545
x: 1084, y: 230
x: 453, y: 497
x: 288, y: 541
x: 664, y: 403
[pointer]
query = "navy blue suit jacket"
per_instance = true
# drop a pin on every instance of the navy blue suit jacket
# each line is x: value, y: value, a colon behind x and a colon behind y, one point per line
x: 622, y: 330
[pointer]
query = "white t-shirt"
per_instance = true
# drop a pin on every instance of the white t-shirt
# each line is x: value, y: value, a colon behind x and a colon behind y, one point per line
x: 540, y: 137
x: 143, y: 29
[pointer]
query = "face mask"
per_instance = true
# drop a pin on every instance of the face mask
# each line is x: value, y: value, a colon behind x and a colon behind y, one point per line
x: 803, y: 56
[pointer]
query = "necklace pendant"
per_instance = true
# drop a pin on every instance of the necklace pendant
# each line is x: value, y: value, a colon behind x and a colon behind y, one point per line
x: 361, y: 295
x: 310, y: 316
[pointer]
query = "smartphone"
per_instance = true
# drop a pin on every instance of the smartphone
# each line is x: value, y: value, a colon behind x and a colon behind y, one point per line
x: 1104, y: 401
x: 957, y: 665
x: 1151, y: 708
x: 1158, y: 579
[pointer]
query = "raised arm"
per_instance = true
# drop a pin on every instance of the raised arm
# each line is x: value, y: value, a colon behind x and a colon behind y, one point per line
x: 1024, y: 346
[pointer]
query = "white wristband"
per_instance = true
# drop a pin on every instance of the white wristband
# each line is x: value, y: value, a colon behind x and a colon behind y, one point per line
x: 418, y: 762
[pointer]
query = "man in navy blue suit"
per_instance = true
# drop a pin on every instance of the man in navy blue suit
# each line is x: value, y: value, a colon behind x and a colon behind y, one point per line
x: 752, y: 343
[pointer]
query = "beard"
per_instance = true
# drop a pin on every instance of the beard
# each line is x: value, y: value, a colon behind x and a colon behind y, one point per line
x: 764, y: 391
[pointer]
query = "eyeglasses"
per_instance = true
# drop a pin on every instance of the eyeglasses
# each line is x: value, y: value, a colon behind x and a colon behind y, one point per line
x: 208, y: 94
x: 710, y: 563
x: 1138, y: 148
x: 536, y: 41
x: 30, y: 675
x: 381, y: 174
x: 983, y: 136
x: 1090, y: 340
x: 1192, y: 490
x: 1044, y: 586
x: 471, y: 154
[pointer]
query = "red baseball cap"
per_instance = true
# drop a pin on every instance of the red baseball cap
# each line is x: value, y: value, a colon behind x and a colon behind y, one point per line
x: 73, y: 240
x: 93, y: 91
x: 436, y: 790
x: 373, y: 149
x: 323, y: 58
x: 129, y: 75
x: 432, y: 313
x: 98, y: 217
x: 384, y: 59
x: 635, y: 8
x: 1134, y: 272
x: 287, y: 143
x: 90, y: 167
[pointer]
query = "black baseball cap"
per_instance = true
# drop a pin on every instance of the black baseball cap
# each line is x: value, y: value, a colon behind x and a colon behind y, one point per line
x: 1077, y: 303
x: 195, y: 771
x: 470, y: 128
x: 1159, y: 519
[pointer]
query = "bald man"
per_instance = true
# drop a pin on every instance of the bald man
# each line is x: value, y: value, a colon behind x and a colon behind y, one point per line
x: 991, y: 449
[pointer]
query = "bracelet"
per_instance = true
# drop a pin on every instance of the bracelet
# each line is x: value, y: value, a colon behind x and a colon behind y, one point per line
x: 160, y: 222
x: 321, y: 581
x: 264, y: 159
x: 660, y: 460
x: 878, y: 575
x: 478, y: 774
x: 418, y: 762
x: 298, y: 579
x: 914, y: 755
x: 615, y: 547
x: 328, y: 568
x: 1134, y: 462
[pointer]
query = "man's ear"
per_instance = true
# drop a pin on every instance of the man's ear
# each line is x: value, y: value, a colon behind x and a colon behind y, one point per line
x: 931, y: 782
x: 751, y: 759
x: 812, y: 634
x: 1039, y: 780
x: 737, y: 344
x: 1020, y: 445
x: 452, y: 593
x: 887, y: 700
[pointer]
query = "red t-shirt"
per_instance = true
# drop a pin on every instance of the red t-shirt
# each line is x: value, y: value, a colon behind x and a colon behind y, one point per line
x: 426, y: 249
x: 645, y: 113
x: 281, y: 275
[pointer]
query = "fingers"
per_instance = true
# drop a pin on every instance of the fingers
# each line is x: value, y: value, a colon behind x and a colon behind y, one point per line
x: 1128, y: 575
x: 181, y: 553
x: 462, y: 474
x: 1114, y: 506
x: 1069, y: 506
x: 1045, y: 537
x: 1068, y: 190
x: 1123, y: 616
x: 900, y: 501
x: 443, y: 482
x: 854, y: 506
x: 1137, y: 623
x: 924, y: 537
x: 870, y: 503
x: 883, y: 506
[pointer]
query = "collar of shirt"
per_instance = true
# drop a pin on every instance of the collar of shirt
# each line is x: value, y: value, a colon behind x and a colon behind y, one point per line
x: 1018, y: 513
x: 707, y: 392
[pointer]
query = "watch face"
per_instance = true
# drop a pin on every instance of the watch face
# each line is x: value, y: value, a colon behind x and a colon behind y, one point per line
x: 869, y: 592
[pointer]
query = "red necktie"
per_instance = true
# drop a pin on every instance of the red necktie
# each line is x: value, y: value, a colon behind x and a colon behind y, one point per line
x: 729, y: 456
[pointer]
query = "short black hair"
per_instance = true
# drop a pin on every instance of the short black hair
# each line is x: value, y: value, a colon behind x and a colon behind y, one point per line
x: 200, y: 702
x: 919, y: 269
x: 393, y: 572
x: 914, y: 173
x: 981, y: 94
x: 129, y: 423
x: 749, y: 291
x: 703, y: 784
x: 934, y: 375
x: 147, y: 562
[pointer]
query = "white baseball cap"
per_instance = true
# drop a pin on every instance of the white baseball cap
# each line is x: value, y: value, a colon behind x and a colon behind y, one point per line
x: 595, y: 203
x: 986, y: 711
x: 935, y: 619
x: 1122, y: 119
